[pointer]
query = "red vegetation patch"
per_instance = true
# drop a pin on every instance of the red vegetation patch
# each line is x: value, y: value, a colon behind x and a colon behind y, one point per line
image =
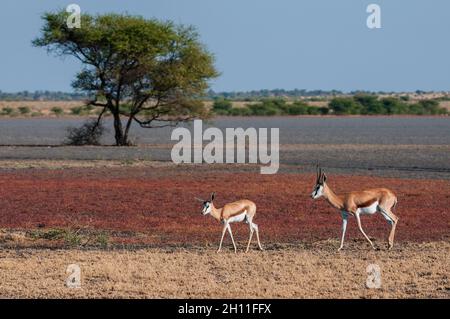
x: 159, y: 204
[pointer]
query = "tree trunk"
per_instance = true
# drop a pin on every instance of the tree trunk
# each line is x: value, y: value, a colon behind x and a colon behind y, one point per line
x: 127, y: 128
x: 118, y: 129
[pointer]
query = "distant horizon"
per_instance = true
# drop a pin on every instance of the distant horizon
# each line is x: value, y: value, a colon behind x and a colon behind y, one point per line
x: 209, y: 91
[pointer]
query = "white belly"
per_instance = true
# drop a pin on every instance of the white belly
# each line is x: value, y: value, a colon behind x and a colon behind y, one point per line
x: 237, y: 218
x: 372, y: 209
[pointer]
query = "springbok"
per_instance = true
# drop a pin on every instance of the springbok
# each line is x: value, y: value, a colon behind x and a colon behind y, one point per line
x: 358, y: 203
x: 239, y: 211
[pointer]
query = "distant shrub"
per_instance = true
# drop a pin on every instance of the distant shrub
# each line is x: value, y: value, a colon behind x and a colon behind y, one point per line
x: 222, y: 106
x: 431, y: 107
x: 405, y: 98
x: 369, y: 104
x: 57, y: 110
x: 89, y: 107
x: 324, y: 110
x: 297, y: 108
x: 77, y: 110
x: 24, y: 110
x: 416, y: 109
x: 261, y: 109
x: 393, y: 105
x: 240, y: 111
x: 344, y: 106
x: 268, y: 107
x: 7, y: 110
x: 88, y: 134
x: 313, y: 110
x: 372, y: 105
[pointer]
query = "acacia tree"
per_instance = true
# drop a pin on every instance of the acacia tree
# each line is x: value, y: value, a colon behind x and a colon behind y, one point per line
x: 145, y: 71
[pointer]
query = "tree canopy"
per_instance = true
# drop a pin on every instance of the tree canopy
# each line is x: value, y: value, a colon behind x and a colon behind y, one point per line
x: 143, y: 70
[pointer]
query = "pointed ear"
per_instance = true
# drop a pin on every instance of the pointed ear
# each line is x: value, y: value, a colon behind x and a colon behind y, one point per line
x: 324, y: 178
x: 213, y: 195
x: 199, y: 199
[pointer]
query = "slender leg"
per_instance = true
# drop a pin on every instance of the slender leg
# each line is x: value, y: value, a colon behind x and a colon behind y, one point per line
x: 232, y: 239
x: 221, y: 239
x: 250, y: 239
x: 344, y: 228
x: 257, y: 235
x: 392, y: 219
x: 358, y: 220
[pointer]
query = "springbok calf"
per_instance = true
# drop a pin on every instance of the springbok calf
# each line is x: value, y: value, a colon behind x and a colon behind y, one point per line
x: 358, y: 203
x: 239, y: 211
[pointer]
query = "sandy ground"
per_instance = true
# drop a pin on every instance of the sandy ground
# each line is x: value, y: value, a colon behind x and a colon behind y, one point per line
x: 314, y: 270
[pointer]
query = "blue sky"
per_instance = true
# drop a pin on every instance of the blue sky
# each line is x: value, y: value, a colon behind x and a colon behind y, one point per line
x: 314, y: 44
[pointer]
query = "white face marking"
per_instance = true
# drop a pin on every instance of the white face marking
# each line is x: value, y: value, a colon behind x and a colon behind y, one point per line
x: 206, y: 208
x: 368, y: 210
x: 317, y: 191
x: 237, y: 218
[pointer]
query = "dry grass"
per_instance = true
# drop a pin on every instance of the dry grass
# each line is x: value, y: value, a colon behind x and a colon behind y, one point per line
x: 66, y: 164
x: 44, y: 108
x: 41, y: 108
x: 313, y: 271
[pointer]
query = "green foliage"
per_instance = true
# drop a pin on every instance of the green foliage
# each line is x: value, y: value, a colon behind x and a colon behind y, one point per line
x: 372, y: 105
x: 324, y: 110
x: 83, y: 110
x: 7, y: 110
x: 72, y: 238
x: 368, y: 104
x: 57, y: 110
x: 102, y: 239
x: 24, y: 110
x: 77, y: 110
x: 393, y: 105
x: 431, y: 107
x: 240, y: 111
x: 221, y: 106
x: 268, y: 107
x: 297, y: 108
x: 157, y: 67
x: 344, y: 106
x: 405, y: 98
